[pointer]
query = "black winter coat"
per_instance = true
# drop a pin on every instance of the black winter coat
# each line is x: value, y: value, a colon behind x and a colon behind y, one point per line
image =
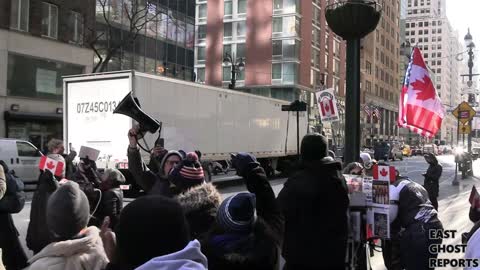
x: 13, y: 255
x: 111, y: 205
x: 315, y: 203
x: 260, y: 249
x: 432, y: 177
x: 149, y: 181
x: 38, y: 235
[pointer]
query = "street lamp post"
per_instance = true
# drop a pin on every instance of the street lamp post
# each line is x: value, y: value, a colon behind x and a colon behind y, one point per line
x: 353, y: 20
x: 238, y: 64
x: 471, y: 96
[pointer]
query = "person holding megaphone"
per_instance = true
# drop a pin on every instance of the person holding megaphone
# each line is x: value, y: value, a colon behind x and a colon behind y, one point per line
x: 153, y: 179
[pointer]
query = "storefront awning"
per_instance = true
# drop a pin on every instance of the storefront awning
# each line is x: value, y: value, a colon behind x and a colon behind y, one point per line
x: 30, y: 116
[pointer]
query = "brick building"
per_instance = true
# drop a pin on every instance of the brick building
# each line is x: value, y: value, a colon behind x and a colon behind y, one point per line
x: 287, y: 48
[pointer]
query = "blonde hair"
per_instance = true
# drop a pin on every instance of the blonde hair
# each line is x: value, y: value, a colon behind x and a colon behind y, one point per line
x: 54, y: 144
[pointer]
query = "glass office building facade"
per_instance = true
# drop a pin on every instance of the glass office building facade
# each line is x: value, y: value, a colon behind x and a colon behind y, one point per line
x: 165, y: 43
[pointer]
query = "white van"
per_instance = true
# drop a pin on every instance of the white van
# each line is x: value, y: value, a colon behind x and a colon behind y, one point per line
x: 21, y: 157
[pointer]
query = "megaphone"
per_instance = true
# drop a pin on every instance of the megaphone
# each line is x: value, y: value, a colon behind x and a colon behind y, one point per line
x: 130, y: 107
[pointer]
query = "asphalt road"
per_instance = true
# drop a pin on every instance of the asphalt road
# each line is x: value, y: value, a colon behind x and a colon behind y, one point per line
x: 453, y: 201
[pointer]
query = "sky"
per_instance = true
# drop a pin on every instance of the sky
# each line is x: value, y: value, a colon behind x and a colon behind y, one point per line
x: 463, y: 14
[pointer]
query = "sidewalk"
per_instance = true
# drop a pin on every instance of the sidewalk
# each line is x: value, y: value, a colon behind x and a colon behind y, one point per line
x: 453, y: 212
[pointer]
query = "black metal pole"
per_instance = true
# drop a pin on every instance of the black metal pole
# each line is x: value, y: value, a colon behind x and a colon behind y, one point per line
x: 471, y: 97
x: 352, y: 102
x: 298, y: 135
x: 233, y: 80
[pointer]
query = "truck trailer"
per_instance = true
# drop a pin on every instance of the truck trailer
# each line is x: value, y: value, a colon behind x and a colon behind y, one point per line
x: 213, y: 120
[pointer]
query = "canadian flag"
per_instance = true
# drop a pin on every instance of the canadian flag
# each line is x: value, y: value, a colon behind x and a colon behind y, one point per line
x: 474, y: 198
x: 420, y: 108
x: 327, y: 107
x: 386, y: 173
x: 56, y: 167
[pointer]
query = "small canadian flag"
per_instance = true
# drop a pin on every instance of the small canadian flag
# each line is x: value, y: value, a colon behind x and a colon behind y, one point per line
x: 386, y: 173
x: 474, y: 198
x: 56, y: 167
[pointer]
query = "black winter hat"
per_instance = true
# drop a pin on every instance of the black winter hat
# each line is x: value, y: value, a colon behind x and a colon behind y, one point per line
x: 68, y: 211
x: 149, y: 227
x: 313, y: 147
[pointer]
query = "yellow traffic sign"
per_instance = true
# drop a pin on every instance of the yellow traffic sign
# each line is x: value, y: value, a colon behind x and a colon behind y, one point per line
x: 465, y: 129
x: 464, y: 112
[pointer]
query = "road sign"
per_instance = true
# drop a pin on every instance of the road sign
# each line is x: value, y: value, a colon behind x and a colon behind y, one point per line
x: 465, y: 129
x: 464, y: 112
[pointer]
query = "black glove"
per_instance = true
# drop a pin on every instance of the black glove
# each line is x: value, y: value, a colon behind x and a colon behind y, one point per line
x: 244, y: 162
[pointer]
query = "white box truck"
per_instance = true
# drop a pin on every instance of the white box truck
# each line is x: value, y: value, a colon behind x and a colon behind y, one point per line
x: 213, y: 120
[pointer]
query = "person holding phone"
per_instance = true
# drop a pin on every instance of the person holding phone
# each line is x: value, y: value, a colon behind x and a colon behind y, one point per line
x: 153, y: 179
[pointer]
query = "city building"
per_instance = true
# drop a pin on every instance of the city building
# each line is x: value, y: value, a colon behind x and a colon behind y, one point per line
x: 164, y: 45
x: 380, y: 89
x: 283, y: 49
x: 40, y: 42
x: 428, y: 27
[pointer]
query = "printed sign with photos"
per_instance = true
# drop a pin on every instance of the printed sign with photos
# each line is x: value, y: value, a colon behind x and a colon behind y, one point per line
x: 380, y: 193
x: 378, y: 223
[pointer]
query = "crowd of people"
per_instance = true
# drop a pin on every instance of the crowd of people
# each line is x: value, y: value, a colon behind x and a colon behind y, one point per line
x: 184, y: 223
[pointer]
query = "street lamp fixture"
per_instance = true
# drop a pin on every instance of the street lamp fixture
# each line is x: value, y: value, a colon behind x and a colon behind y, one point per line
x: 469, y: 40
x: 238, y: 65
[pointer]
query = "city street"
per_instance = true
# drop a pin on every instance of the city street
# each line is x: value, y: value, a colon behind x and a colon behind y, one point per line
x: 453, y: 201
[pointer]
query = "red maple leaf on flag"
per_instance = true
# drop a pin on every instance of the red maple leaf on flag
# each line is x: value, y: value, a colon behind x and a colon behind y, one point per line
x: 384, y: 172
x: 50, y: 165
x: 425, y: 88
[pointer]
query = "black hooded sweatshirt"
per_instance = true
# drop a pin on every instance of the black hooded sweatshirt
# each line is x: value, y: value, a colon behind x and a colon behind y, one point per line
x: 38, y: 235
x: 432, y: 177
x: 314, y: 202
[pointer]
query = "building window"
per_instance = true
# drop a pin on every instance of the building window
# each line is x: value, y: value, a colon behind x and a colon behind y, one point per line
x: 289, y: 72
x: 200, y: 53
x: 240, y: 50
x: 241, y: 28
x: 277, y: 4
x: 76, y: 27
x: 277, y: 25
x: 227, y: 30
x: 227, y: 8
x: 200, y: 74
x: 277, y: 47
x: 242, y: 6
x: 49, y: 20
x: 290, y: 49
x: 368, y: 66
x: 202, y: 11
x: 39, y: 78
x: 227, y: 73
x: 202, y: 31
x: 288, y: 25
x: 19, y: 15
x: 276, y: 71
x: 227, y: 49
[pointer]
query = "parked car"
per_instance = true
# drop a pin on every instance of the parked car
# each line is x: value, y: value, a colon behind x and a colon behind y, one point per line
x: 22, y: 158
x: 406, y: 150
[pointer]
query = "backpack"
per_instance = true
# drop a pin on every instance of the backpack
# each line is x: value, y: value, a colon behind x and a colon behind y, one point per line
x: 14, y: 199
